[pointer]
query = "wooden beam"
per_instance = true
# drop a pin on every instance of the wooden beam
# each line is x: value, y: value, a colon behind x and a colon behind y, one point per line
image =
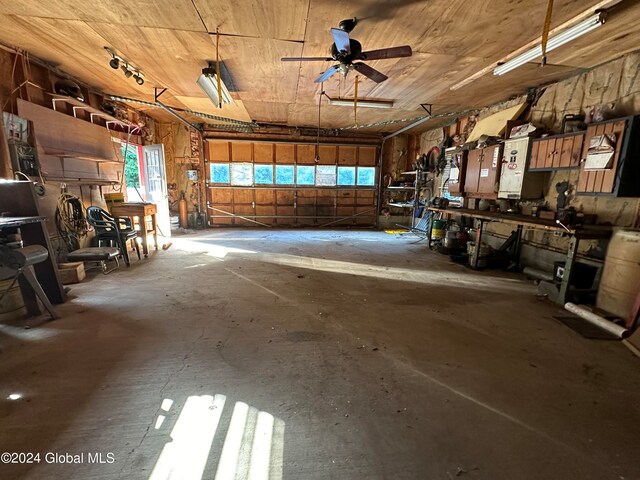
x: 5, y: 158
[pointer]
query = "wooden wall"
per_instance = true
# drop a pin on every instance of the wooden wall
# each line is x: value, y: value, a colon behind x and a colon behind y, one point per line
x: 24, y: 88
x: 183, y: 151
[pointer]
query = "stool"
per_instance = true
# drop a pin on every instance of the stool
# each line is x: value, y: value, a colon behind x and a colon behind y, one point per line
x: 21, y: 260
x: 96, y: 254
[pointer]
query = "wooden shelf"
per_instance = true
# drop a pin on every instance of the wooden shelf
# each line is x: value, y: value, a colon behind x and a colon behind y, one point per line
x: 400, y: 205
x: 82, y: 156
x: 83, y: 181
x: 93, y: 112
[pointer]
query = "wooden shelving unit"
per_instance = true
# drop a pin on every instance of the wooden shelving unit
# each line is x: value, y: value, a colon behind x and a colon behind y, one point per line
x: 93, y: 112
x: 82, y: 180
x: 82, y: 156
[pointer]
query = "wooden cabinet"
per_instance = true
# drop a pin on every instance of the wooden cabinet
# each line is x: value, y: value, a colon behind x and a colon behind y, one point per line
x: 483, y: 172
x: 621, y: 178
x: 557, y: 152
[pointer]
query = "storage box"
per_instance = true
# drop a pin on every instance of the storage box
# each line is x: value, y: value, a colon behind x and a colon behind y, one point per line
x: 71, y: 272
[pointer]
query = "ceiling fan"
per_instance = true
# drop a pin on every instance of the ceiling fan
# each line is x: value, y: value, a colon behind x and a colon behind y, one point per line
x: 346, y: 50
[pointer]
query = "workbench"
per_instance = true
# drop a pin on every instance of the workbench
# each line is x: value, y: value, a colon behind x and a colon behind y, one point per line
x: 576, y: 234
x: 21, y: 209
x: 140, y: 211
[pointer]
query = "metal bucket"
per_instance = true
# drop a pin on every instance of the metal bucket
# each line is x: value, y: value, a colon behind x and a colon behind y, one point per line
x: 438, y: 229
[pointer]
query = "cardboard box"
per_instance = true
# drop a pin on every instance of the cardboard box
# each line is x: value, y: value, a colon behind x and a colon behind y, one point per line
x: 71, y: 272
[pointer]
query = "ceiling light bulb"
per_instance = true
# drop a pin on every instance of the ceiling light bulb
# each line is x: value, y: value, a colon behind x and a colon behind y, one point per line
x: 349, y: 102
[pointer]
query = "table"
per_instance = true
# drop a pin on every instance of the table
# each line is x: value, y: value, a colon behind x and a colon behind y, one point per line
x: 33, y: 232
x: 142, y: 211
x: 590, y: 232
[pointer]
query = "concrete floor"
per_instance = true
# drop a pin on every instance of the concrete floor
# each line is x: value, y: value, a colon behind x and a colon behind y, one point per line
x: 318, y: 354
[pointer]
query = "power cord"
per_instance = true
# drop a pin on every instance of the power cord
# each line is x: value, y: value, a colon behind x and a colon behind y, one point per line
x: 70, y: 219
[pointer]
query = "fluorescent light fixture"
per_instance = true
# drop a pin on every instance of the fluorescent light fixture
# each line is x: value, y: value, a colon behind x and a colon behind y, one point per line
x: 348, y: 102
x: 208, y: 82
x: 554, y: 42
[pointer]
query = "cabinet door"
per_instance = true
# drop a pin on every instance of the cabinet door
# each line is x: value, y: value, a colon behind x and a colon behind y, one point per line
x: 535, y: 149
x: 570, y: 150
x: 490, y: 169
x: 513, y: 168
x: 601, y: 181
x: 542, y: 154
x: 472, y: 174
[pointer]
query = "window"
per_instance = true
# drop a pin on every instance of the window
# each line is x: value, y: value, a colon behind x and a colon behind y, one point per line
x: 326, y: 175
x: 242, y: 174
x: 306, y: 175
x: 263, y: 174
x: 366, y: 176
x: 220, y: 173
x: 285, y: 174
x: 246, y: 174
x: 346, y: 175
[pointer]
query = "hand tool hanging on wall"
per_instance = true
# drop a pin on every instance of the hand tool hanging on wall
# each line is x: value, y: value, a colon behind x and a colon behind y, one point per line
x: 355, y: 102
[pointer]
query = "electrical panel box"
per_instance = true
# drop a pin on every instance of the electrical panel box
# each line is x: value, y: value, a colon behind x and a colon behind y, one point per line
x: 516, y: 182
x: 16, y: 128
x: 456, y: 165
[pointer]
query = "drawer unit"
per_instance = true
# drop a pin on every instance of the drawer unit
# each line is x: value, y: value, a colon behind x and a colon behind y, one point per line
x: 483, y: 172
x: 557, y: 152
x: 621, y: 176
x: 515, y: 181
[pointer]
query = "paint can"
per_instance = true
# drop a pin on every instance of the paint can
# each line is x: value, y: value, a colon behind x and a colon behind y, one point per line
x: 438, y: 229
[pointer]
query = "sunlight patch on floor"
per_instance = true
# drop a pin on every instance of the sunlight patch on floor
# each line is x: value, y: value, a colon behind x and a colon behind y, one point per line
x: 253, y: 447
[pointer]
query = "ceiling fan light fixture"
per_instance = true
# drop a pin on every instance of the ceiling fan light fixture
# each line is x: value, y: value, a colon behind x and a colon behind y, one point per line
x: 349, y: 102
x: 554, y: 42
x: 208, y: 82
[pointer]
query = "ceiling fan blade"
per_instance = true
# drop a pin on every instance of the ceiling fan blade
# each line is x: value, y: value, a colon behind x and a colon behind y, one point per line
x: 393, y: 52
x: 306, y: 59
x: 330, y: 71
x: 372, y: 73
x: 341, y: 39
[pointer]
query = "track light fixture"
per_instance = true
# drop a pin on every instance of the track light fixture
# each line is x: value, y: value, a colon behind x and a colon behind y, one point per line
x: 117, y: 62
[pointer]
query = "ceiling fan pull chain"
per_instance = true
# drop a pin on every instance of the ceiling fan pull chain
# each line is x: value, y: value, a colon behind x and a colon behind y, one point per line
x: 355, y: 101
x: 218, y: 67
x: 316, y: 159
x: 545, y: 32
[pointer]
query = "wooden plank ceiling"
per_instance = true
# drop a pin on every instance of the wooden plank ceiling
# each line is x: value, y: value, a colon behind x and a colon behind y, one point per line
x: 172, y: 40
